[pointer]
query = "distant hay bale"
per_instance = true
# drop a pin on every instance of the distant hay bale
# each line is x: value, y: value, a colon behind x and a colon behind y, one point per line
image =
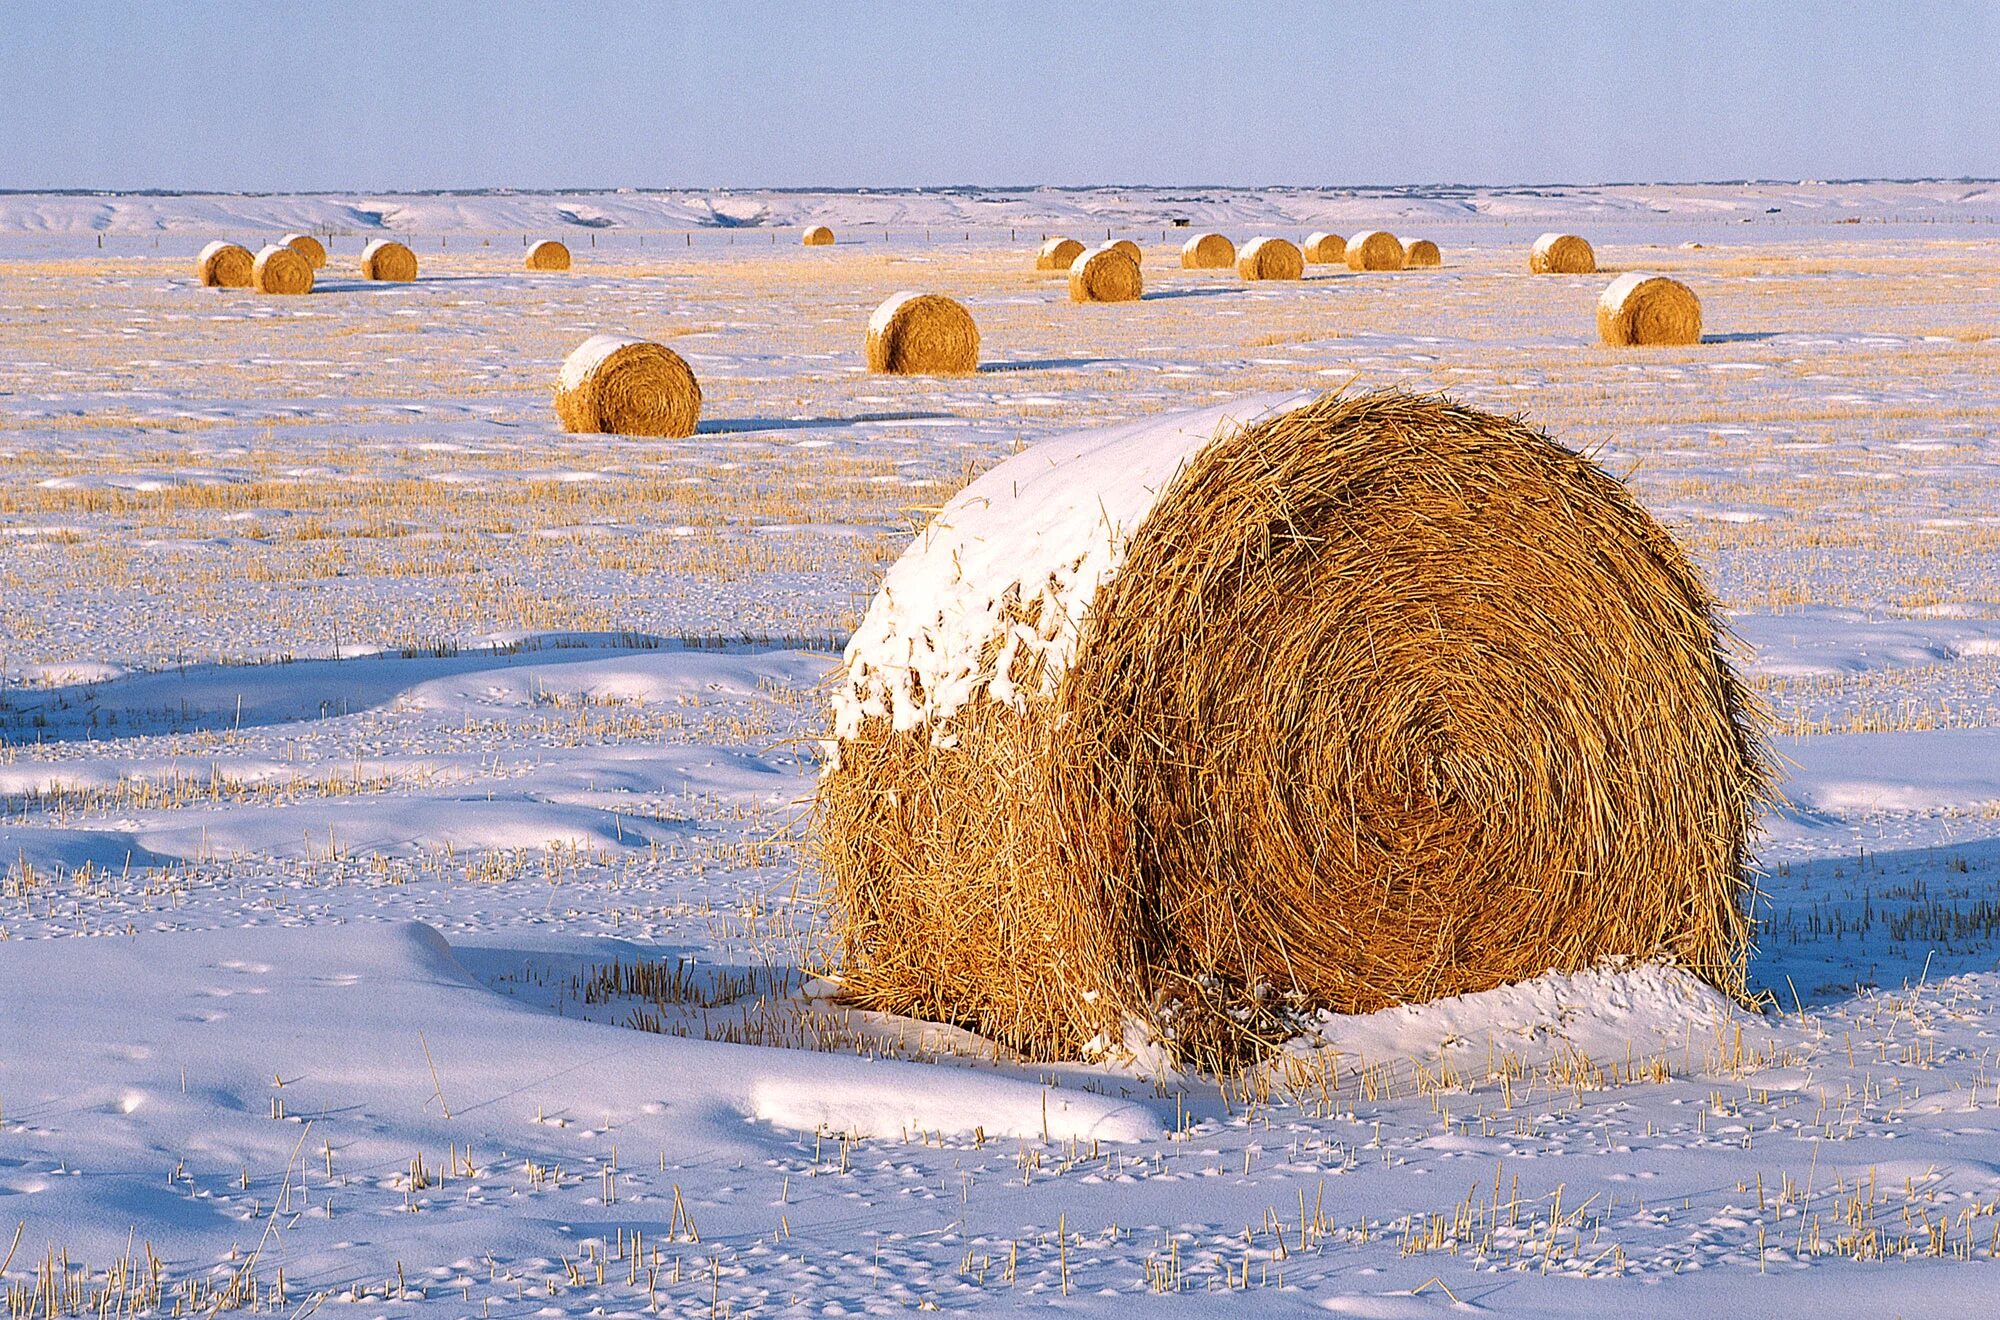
x: 1562, y: 254
x: 1105, y: 274
x: 1374, y: 249
x: 1648, y: 309
x: 1132, y: 250
x: 281, y: 269
x: 922, y: 334
x: 1270, y: 259
x: 1058, y: 254
x: 308, y: 247
x: 627, y: 387
x: 225, y: 266
x: 1421, y: 253
x: 386, y: 259
x: 1187, y: 730
x: 548, y: 254
x: 818, y: 236
x: 1208, y: 252
x: 1323, y: 249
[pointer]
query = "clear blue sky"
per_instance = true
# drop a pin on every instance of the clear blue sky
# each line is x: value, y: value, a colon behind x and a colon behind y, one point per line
x: 199, y: 94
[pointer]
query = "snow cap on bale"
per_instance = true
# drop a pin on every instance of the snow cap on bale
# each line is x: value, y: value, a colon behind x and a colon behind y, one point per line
x: 1648, y: 309
x: 225, y: 266
x: 308, y: 247
x: 1421, y: 252
x: 1208, y: 252
x: 1270, y: 259
x: 1374, y: 249
x: 817, y: 236
x: 627, y: 387
x: 386, y: 259
x: 1058, y: 254
x: 281, y: 269
x: 1171, y: 735
x: 548, y: 254
x: 1562, y: 254
x: 922, y: 334
x: 1105, y: 274
x: 1324, y: 249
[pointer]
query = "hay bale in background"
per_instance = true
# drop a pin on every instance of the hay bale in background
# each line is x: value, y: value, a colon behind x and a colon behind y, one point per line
x: 386, y: 259
x: 1270, y: 259
x: 1374, y: 249
x: 308, y: 247
x: 1323, y: 249
x: 627, y: 387
x: 1208, y: 252
x: 1130, y: 249
x: 922, y: 334
x: 1421, y: 253
x: 1058, y: 254
x: 1105, y: 274
x: 547, y: 255
x: 1562, y: 254
x: 280, y: 268
x: 1648, y: 309
x: 225, y: 266
x: 1202, y: 728
x: 817, y: 236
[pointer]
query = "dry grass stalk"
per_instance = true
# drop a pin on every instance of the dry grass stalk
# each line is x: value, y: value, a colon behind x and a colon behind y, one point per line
x: 386, y: 259
x: 922, y: 334
x: 281, y: 269
x: 817, y: 236
x: 1105, y: 274
x: 1270, y: 259
x: 1208, y: 252
x: 1324, y: 249
x: 1648, y: 309
x: 627, y: 387
x: 1421, y: 253
x: 1388, y: 700
x: 1058, y: 254
x: 225, y: 266
x: 1374, y: 249
x: 548, y: 254
x: 1562, y: 254
x: 308, y: 247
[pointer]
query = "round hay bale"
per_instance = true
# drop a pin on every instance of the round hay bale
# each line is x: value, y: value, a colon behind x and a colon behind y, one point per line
x: 281, y: 269
x: 817, y: 236
x: 1131, y: 249
x: 1196, y: 727
x: 923, y: 334
x: 1562, y: 254
x: 627, y: 387
x: 1058, y: 254
x: 1323, y: 249
x: 1421, y: 253
x: 1270, y: 259
x: 225, y: 266
x: 548, y: 254
x: 1648, y: 309
x: 1374, y: 249
x: 1208, y: 252
x: 308, y: 247
x: 1105, y: 274
x: 386, y: 259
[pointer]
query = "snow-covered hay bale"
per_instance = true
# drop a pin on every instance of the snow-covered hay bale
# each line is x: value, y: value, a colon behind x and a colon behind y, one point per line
x: 1176, y: 733
x: 1374, y: 249
x: 627, y: 387
x: 1105, y: 275
x: 1208, y: 252
x: 386, y: 259
x: 1648, y: 309
x: 817, y: 236
x: 1324, y: 249
x: 281, y: 269
x: 1562, y: 254
x: 1058, y: 254
x: 1132, y: 250
x: 923, y: 334
x: 225, y: 266
x: 1270, y: 259
x: 547, y: 254
x: 1421, y: 253
x: 308, y: 247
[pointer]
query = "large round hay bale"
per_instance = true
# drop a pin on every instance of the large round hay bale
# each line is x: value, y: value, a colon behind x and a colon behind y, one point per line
x: 1324, y: 249
x: 1648, y: 309
x: 817, y: 236
x: 1270, y: 259
x: 225, y: 266
x: 1374, y: 249
x: 1562, y: 254
x: 308, y: 247
x: 547, y: 254
x: 627, y: 387
x: 1421, y: 253
x: 386, y: 259
x: 1131, y: 249
x: 1105, y: 275
x: 1208, y: 252
x: 1210, y: 722
x: 1058, y: 254
x: 281, y: 269
x: 923, y: 334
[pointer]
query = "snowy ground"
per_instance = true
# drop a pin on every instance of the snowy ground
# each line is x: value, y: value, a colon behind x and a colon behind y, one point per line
x: 400, y: 800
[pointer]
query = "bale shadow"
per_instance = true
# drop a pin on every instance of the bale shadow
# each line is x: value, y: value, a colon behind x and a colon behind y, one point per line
x: 742, y: 425
x: 1158, y: 294
x: 1041, y: 364
x: 1742, y: 337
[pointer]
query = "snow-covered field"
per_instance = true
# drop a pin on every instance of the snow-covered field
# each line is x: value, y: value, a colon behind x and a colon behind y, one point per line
x: 401, y: 802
